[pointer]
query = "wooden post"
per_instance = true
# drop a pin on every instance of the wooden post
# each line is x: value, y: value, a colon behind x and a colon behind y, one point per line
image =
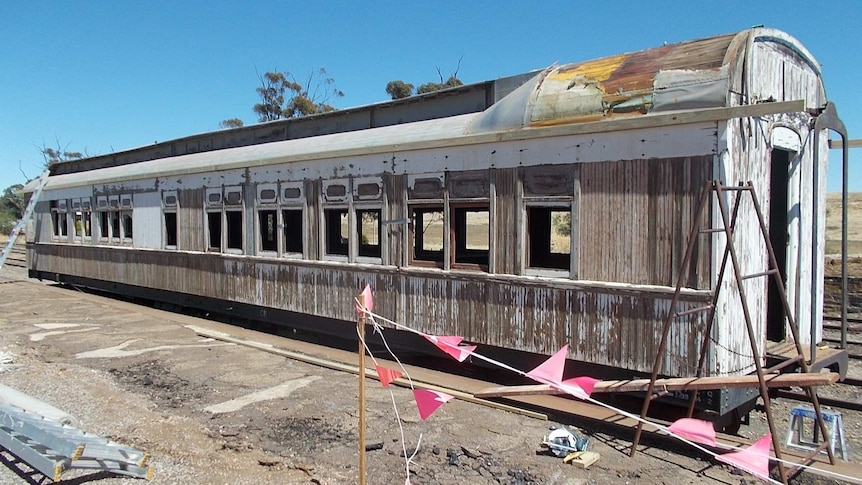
x: 360, y: 323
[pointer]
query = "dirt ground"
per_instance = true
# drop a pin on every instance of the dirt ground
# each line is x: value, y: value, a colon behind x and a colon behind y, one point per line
x: 140, y: 377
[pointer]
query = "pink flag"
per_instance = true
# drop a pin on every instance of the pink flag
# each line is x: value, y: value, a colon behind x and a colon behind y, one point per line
x: 387, y: 375
x: 368, y: 299
x: 449, y: 344
x: 580, y: 387
x: 695, y: 430
x: 428, y: 401
x: 551, y: 370
x: 754, y: 459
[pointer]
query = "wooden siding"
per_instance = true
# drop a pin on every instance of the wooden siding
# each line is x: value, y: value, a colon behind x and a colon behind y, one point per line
x: 614, y: 326
x: 506, y: 220
x: 634, y: 220
x: 192, y: 232
x: 394, y: 233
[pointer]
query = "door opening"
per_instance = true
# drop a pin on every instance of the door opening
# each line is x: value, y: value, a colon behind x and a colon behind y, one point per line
x: 779, y: 238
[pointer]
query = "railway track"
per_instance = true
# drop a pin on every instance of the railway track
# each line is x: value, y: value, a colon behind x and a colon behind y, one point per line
x: 17, y: 257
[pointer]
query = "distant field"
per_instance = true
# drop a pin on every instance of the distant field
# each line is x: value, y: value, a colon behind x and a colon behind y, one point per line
x: 854, y: 224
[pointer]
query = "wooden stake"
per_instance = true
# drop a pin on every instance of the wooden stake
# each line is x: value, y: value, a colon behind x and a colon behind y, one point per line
x: 360, y: 323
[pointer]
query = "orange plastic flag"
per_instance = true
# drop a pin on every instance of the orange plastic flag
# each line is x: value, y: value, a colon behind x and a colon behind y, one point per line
x: 387, y: 375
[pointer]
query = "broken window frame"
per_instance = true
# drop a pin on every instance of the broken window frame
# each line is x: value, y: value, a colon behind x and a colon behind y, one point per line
x: 541, y: 261
x: 419, y: 254
x: 292, y: 213
x: 462, y: 256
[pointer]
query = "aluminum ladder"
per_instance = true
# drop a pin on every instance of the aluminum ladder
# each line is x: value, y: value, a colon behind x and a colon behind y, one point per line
x: 28, y: 213
x: 51, y: 447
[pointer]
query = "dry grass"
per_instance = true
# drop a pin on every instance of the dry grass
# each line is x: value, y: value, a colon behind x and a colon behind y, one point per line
x: 854, y: 223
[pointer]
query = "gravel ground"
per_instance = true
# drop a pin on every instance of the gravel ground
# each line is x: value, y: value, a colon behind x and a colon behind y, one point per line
x: 153, y: 393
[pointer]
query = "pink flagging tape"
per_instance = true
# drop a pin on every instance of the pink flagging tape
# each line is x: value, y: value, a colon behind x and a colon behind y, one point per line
x: 754, y: 459
x: 551, y: 370
x: 428, y: 401
x: 695, y: 430
x: 451, y: 345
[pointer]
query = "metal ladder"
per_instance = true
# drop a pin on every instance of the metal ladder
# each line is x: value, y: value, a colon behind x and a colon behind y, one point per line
x: 729, y: 219
x: 51, y: 447
x: 28, y: 213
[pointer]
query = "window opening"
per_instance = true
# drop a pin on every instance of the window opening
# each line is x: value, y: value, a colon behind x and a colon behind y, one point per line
x: 337, y: 232
x: 126, y: 217
x: 368, y: 228
x: 292, y: 220
x: 234, y: 228
x: 428, y: 234
x: 104, y: 228
x: 171, y: 229
x: 471, y: 234
x: 549, y: 238
x: 268, y: 229
x: 114, y: 217
x: 214, y: 230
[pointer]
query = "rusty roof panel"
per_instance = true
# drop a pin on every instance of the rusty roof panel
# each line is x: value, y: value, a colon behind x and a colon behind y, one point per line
x: 591, y: 89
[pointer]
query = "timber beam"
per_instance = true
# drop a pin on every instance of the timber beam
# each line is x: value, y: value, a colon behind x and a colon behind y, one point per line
x: 672, y: 384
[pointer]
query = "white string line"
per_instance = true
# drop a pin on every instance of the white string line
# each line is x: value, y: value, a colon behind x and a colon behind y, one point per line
x: 570, y: 391
x: 378, y: 328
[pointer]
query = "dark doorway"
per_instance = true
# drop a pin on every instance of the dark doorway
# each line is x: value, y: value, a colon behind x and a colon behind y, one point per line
x: 779, y: 238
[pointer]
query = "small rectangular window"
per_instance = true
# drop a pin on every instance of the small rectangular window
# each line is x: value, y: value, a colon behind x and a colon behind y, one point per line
x: 234, y: 230
x: 368, y: 228
x: 104, y: 227
x: 292, y: 219
x: 214, y: 230
x: 292, y: 193
x: 79, y: 225
x: 337, y: 232
x: 171, y: 230
x: 549, y: 231
x: 114, y: 217
x: 428, y: 234
x: 471, y: 234
x: 126, y: 217
x: 268, y: 230
x: 86, y: 229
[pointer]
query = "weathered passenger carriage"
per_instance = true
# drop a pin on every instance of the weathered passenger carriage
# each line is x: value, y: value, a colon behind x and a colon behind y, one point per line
x: 525, y: 213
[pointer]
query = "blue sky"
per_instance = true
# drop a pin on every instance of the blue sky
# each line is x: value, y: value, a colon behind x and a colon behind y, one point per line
x: 104, y: 76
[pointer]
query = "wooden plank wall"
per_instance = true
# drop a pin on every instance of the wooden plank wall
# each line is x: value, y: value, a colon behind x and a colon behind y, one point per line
x: 635, y: 217
x: 609, y: 326
x: 506, y: 220
x: 192, y: 233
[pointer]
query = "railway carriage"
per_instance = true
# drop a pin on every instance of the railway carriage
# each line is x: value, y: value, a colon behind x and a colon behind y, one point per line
x: 525, y: 213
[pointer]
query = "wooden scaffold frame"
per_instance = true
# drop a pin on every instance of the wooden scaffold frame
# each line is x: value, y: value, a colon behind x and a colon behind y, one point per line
x: 729, y: 220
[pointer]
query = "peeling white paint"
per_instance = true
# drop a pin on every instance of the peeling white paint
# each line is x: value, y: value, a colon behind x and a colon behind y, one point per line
x: 39, y: 336
x: 276, y: 392
x: 118, y: 350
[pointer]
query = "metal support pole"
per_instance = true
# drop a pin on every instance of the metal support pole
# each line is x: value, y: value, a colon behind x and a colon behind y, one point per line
x: 360, y: 326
